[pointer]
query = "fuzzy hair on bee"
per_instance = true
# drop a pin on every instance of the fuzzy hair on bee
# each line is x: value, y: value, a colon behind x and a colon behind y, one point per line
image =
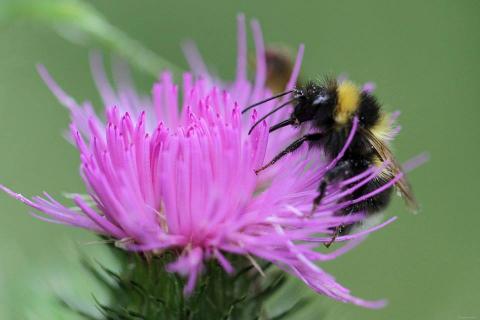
x: 330, y: 107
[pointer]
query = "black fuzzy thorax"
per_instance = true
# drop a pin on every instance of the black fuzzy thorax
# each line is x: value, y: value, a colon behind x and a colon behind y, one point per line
x: 335, y: 136
x: 369, y: 111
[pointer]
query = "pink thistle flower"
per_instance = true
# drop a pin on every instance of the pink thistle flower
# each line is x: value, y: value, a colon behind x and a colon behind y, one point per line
x: 168, y: 173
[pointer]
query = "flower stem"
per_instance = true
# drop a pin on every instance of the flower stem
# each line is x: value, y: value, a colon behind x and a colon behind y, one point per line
x: 80, y: 22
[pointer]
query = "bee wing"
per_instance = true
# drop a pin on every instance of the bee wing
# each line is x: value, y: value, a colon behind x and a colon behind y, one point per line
x: 383, y: 151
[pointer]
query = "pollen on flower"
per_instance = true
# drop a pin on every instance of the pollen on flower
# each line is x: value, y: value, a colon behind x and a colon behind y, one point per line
x: 176, y: 170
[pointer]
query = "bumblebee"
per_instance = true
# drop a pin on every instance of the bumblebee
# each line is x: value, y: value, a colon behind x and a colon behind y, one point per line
x: 330, y: 108
x: 279, y: 64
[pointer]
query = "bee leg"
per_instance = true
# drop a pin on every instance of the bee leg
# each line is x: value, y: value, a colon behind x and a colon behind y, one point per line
x: 339, y: 230
x: 342, y: 169
x: 292, y: 147
x: 334, y: 236
x: 321, y: 193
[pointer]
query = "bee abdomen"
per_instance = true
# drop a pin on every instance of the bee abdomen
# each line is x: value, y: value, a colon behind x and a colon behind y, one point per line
x: 375, y: 203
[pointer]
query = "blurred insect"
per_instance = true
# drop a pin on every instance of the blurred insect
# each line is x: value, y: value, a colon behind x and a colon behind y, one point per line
x: 331, y: 109
x: 280, y: 63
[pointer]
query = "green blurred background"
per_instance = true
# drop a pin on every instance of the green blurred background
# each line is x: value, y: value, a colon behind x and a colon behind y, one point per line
x: 424, y: 57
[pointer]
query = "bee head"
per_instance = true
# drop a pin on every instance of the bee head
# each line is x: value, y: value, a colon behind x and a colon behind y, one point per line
x: 313, y: 101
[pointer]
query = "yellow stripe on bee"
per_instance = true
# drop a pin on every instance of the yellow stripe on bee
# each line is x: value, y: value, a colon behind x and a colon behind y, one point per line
x: 348, y: 101
x: 382, y: 130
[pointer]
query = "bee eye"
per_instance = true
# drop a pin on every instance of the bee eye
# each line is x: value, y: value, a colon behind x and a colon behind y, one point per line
x: 321, y: 98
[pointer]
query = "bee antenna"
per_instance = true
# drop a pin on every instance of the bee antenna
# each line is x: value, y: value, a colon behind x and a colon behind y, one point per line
x: 270, y: 113
x: 266, y: 100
